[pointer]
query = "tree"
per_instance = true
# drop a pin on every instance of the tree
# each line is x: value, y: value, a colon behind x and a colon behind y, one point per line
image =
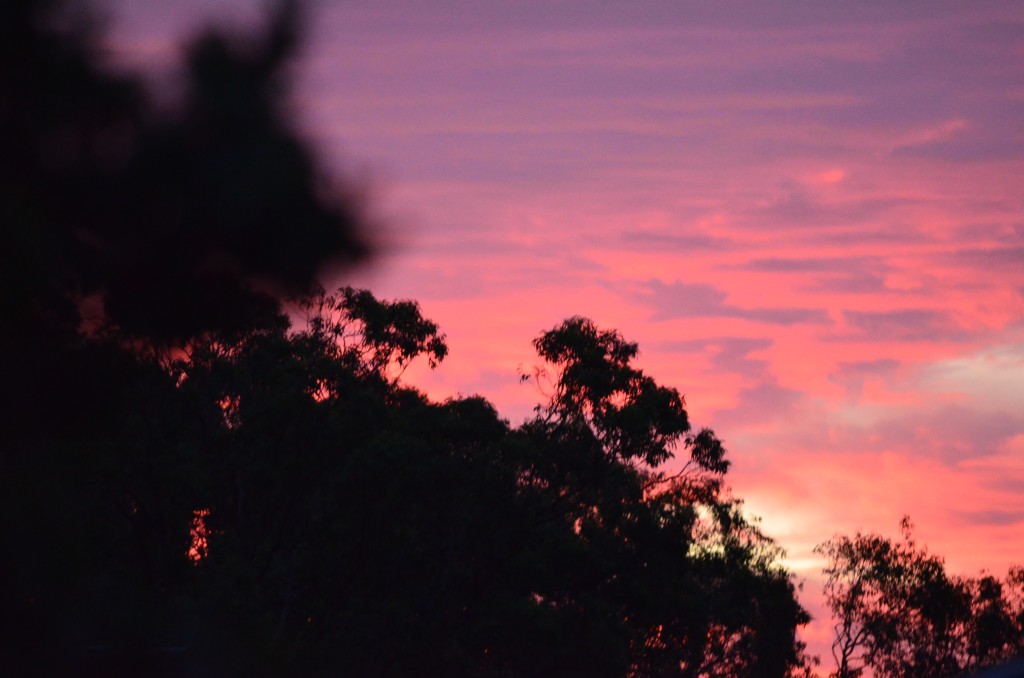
x: 694, y: 585
x: 368, y: 334
x: 899, y: 613
x: 634, y: 419
x: 127, y: 232
x: 171, y: 221
x: 190, y: 485
x: 276, y: 501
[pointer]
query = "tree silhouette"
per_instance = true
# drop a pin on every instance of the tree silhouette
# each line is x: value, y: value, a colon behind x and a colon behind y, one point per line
x: 191, y: 486
x: 128, y: 230
x: 693, y: 587
x: 179, y: 221
x: 899, y: 613
x: 274, y: 501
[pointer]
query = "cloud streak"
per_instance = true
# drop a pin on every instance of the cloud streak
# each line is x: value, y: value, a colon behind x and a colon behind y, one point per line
x: 699, y: 300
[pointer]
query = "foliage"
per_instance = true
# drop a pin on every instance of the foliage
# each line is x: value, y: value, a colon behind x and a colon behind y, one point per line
x: 695, y: 584
x: 169, y: 221
x: 633, y: 417
x: 899, y: 613
x: 193, y: 487
x: 366, y: 333
x: 272, y: 501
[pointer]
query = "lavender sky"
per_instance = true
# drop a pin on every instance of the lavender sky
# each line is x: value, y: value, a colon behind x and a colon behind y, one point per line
x: 810, y: 216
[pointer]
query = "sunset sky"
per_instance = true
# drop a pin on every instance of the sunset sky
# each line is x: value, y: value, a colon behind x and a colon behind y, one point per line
x: 809, y: 215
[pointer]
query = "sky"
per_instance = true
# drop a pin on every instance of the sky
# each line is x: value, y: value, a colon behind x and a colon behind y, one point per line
x: 809, y: 215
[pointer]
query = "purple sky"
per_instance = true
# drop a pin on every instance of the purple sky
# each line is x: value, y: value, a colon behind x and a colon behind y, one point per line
x: 810, y: 215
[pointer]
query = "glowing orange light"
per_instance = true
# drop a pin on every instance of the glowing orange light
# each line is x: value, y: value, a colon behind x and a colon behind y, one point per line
x: 199, y: 534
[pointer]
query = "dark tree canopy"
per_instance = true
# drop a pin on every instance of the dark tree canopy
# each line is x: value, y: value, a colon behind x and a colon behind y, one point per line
x: 191, y: 486
x: 275, y: 501
x: 174, y: 221
x: 595, y: 386
x: 367, y: 334
x: 899, y: 613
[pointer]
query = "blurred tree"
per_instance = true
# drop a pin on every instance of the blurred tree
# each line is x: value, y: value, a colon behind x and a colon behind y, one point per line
x: 172, y: 222
x: 898, y: 613
x: 128, y: 230
x: 191, y: 487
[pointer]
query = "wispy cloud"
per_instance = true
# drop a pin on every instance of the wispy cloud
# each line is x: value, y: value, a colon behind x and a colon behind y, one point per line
x: 699, y: 300
x: 911, y: 324
x: 991, y: 517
